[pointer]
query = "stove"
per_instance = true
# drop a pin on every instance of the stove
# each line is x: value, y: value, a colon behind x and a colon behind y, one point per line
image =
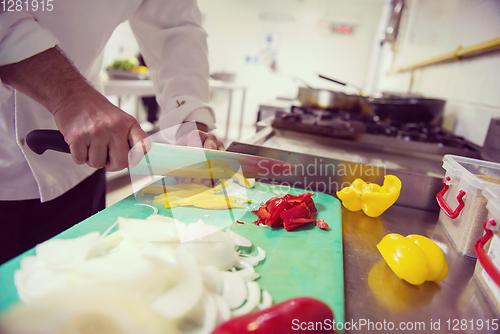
x: 355, y: 126
x: 362, y: 138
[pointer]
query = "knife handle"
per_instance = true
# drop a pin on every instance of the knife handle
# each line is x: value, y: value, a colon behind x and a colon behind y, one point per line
x: 41, y: 140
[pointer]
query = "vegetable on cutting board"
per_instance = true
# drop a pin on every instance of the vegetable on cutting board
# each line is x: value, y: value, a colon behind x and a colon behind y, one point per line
x: 369, y: 197
x: 197, y: 195
x: 296, y: 315
x: 414, y: 258
x: 154, y: 275
x: 289, y: 211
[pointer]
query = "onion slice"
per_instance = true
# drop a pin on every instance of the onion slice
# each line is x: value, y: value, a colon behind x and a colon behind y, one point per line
x: 179, y: 300
x: 253, y: 260
x: 267, y: 300
x: 223, y: 310
x: 234, y: 289
x: 239, y: 240
x: 252, y: 300
x: 155, y: 209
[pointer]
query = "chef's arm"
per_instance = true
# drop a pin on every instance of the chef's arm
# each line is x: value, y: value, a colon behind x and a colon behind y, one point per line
x: 91, y: 125
x: 174, y: 47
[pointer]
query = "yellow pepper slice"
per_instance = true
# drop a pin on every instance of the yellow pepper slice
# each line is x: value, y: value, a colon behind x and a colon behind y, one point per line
x: 369, y: 197
x: 414, y: 258
x: 197, y: 195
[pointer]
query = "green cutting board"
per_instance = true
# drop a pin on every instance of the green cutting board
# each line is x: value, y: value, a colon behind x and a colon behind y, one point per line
x: 305, y: 262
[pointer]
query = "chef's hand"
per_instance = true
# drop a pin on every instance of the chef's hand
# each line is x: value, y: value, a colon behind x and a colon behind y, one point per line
x: 98, y: 133
x: 197, y: 135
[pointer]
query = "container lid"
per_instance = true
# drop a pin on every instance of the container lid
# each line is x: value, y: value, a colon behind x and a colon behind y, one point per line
x: 469, y: 169
x: 492, y: 194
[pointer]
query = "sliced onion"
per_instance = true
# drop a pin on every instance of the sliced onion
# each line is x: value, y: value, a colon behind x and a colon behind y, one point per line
x: 37, y: 283
x: 212, y: 279
x: 210, y: 314
x: 267, y: 300
x: 177, y: 269
x: 147, y: 230
x: 252, y: 300
x: 65, y: 253
x: 234, y: 290
x: 239, y: 240
x: 253, y: 260
x: 223, y: 310
x: 247, y: 273
x: 111, y: 241
x: 85, y: 310
x: 199, y: 231
x: 155, y: 209
x: 221, y: 255
x: 179, y: 300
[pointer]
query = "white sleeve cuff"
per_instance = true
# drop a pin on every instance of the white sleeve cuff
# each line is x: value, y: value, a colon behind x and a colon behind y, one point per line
x: 22, y: 37
x: 202, y: 115
x: 187, y: 108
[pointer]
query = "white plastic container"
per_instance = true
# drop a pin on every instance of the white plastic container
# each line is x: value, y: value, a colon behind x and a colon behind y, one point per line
x: 463, y: 206
x: 489, y: 256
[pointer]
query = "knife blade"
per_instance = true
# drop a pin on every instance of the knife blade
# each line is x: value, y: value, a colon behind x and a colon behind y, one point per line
x: 176, y: 160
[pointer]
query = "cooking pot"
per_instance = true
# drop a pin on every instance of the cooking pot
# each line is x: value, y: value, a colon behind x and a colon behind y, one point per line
x: 395, y: 109
x: 328, y: 99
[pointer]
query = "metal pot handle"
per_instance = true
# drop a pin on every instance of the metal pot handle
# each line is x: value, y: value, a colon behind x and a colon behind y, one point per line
x: 444, y: 206
x: 482, y: 257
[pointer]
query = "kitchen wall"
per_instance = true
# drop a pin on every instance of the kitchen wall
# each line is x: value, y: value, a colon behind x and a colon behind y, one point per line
x: 301, y: 46
x: 471, y: 86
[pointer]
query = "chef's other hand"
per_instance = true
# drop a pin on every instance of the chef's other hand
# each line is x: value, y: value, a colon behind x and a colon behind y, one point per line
x: 98, y: 133
x: 198, y: 136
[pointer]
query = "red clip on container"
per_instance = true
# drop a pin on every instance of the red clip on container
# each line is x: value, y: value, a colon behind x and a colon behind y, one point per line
x: 488, y: 260
x: 463, y: 206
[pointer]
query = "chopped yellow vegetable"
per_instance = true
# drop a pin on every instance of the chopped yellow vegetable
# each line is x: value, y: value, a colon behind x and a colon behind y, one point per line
x: 369, y: 197
x: 415, y: 259
x: 197, y: 195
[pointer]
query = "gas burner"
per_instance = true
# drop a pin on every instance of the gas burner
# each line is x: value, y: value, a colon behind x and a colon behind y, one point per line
x: 346, y: 124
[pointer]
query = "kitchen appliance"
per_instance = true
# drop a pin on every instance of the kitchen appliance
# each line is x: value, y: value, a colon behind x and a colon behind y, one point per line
x: 366, y: 128
x: 407, y: 109
x: 491, y: 147
x: 328, y: 99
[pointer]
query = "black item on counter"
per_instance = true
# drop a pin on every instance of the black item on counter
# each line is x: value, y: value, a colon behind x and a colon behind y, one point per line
x: 408, y: 110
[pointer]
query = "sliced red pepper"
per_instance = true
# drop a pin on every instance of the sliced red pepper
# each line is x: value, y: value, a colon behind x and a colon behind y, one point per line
x: 296, y: 216
x: 289, y: 211
x: 321, y: 224
x: 275, y: 209
x: 263, y: 213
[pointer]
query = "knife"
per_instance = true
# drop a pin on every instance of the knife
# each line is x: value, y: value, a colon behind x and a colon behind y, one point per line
x: 176, y: 160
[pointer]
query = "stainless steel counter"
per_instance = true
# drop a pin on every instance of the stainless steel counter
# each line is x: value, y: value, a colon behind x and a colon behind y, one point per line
x: 374, y: 295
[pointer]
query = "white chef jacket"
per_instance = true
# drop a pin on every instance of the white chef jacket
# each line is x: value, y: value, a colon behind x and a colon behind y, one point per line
x: 172, y: 43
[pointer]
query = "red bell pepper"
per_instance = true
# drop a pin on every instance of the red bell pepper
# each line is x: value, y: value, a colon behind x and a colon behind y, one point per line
x: 289, y: 211
x: 296, y: 315
x: 321, y: 224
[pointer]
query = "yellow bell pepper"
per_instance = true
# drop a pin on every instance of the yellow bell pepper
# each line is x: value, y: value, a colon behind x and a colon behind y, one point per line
x: 415, y: 259
x: 197, y: 195
x: 369, y: 197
